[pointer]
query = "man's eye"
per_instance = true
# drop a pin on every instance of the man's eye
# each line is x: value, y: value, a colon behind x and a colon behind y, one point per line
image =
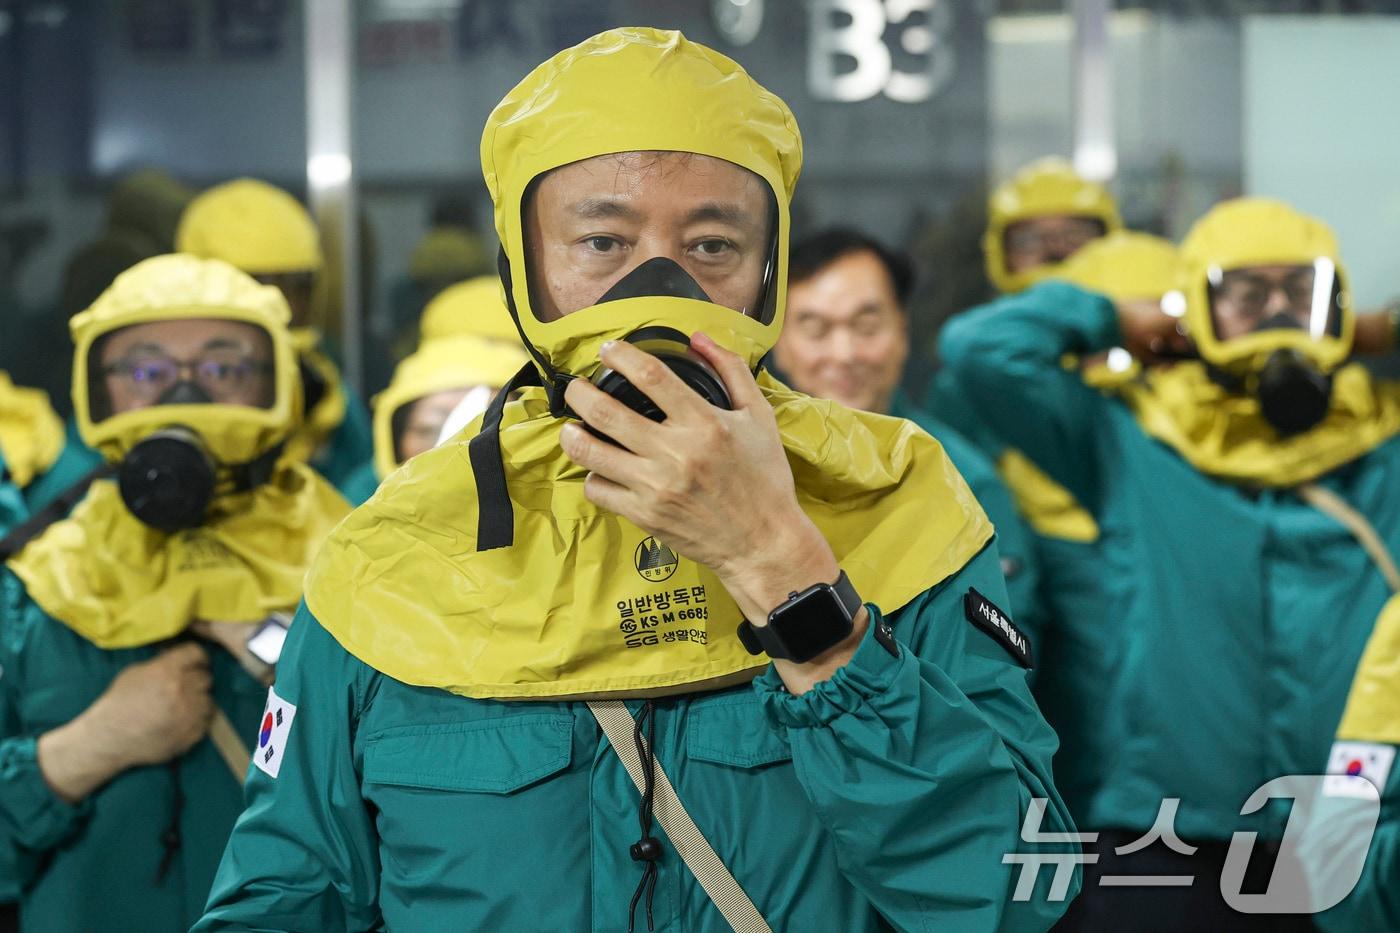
x: 715, y: 247
x: 601, y: 244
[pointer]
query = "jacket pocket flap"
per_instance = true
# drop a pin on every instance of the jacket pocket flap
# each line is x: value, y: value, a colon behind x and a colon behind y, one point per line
x: 734, y: 733
x: 493, y: 756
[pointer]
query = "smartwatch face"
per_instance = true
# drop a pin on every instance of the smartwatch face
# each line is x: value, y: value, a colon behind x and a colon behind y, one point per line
x: 813, y: 622
x: 265, y: 644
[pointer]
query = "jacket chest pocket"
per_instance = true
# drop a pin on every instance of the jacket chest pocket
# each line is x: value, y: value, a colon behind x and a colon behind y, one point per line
x: 452, y: 799
x: 734, y: 732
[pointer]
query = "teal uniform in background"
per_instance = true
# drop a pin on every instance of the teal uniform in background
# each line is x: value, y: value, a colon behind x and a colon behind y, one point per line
x: 886, y: 796
x: 349, y: 445
x: 1078, y: 648
x: 12, y: 507
x: 97, y: 866
x: 1018, y: 560
x: 76, y: 461
x: 1237, y: 617
x: 360, y: 485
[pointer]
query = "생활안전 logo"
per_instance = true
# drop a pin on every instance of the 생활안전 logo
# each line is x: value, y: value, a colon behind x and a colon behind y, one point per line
x: 654, y: 560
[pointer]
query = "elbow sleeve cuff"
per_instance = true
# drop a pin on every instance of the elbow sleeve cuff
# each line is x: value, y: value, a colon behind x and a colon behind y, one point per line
x: 30, y: 812
x: 872, y: 672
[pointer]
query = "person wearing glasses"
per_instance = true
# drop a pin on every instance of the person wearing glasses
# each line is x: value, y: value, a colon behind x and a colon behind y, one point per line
x: 267, y: 233
x: 1245, y: 491
x: 140, y: 632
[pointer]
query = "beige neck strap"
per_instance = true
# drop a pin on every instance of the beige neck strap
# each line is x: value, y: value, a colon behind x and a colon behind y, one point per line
x: 694, y: 849
x: 1329, y: 503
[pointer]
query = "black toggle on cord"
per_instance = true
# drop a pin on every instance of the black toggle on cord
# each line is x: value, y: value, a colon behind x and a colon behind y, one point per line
x: 646, y: 849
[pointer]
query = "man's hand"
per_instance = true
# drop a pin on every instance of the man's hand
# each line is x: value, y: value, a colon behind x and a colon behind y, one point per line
x: 233, y: 637
x: 1375, y: 334
x: 1149, y: 333
x: 151, y: 713
x: 714, y: 485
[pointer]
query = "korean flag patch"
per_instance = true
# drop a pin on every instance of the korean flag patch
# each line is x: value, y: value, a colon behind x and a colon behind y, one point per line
x: 1351, y: 761
x: 276, y: 725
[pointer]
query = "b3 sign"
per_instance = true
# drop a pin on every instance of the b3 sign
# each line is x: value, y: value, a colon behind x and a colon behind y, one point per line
x: 842, y: 31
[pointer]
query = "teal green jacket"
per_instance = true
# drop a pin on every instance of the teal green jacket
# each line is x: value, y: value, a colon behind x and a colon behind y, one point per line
x: 76, y: 461
x: 94, y: 867
x: 883, y: 798
x: 1018, y: 560
x: 12, y: 507
x: 1238, y: 618
x: 1078, y: 652
x: 360, y: 485
x: 350, y: 444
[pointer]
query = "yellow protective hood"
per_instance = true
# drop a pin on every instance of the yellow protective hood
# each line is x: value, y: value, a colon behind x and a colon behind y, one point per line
x: 472, y: 307
x: 1373, y: 706
x: 446, y: 363
x: 431, y: 585
x: 31, y: 434
x: 1049, y: 508
x: 178, y: 287
x: 585, y: 604
x: 679, y: 97
x: 253, y: 226
x: 119, y: 583
x: 1225, y: 435
x: 1043, y: 188
x: 1125, y: 266
x: 448, y: 254
x: 328, y: 412
x: 1258, y: 232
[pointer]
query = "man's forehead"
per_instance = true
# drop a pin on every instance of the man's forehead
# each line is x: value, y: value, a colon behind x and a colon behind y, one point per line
x: 610, y: 182
x: 845, y: 287
x: 185, y: 332
x: 1269, y: 273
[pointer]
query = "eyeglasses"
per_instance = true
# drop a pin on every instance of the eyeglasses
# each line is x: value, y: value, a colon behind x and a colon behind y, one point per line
x: 1241, y: 299
x: 225, y: 375
x: 1252, y: 293
x: 1068, y: 238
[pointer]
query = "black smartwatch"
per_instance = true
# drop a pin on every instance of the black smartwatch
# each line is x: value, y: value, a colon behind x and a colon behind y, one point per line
x: 808, y: 623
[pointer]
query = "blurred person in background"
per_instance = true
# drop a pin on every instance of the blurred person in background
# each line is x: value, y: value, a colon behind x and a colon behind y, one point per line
x: 846, y: 338
x: 1083, y: 640
x: 1232, y: 492
x: 1039, y: 218
x: 268, y: 234
x: 451, y: 251
x: 135, y: 655
x: 456, y: 375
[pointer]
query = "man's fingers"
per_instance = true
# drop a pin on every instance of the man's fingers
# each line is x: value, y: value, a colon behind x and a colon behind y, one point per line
x: 598, y: 456
x: 733, y: 371
x: 606, y: 494
x: 652, y: 377
x: 187, y: 654
x: 611, y: 417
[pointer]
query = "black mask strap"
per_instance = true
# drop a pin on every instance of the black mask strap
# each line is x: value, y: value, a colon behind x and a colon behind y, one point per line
x: 495, y: 523
x: 55, y: 511
x: 241, y: 477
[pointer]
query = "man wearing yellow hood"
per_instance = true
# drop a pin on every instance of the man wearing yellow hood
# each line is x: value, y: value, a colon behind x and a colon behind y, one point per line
x: 519, y: 693
x: 1241, y: 498
x: 268, y: 234
x: 132, y: 677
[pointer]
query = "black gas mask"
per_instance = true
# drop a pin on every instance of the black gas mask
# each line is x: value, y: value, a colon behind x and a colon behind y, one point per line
x: 1294, y: 395
x: 169, y: 478
x: 661, y: 277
